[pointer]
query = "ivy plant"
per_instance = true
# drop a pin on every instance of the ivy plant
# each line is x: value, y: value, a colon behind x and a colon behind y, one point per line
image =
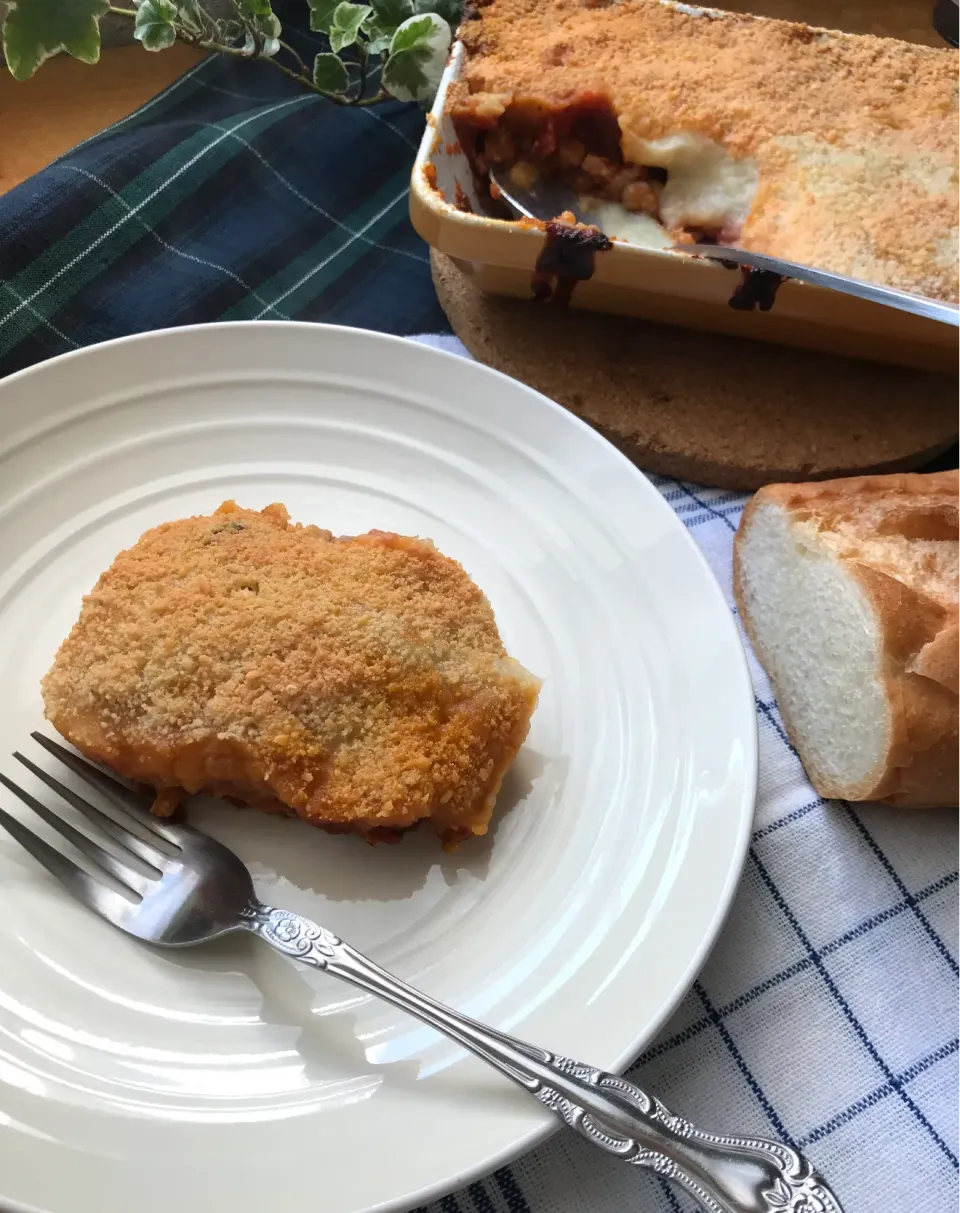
x: 384, y: 49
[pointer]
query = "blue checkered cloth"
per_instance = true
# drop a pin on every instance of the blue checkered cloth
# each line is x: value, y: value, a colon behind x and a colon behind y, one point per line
x: 827, y: 1013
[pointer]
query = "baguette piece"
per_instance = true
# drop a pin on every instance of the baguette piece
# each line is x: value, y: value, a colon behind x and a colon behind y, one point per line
x: 848, y: 591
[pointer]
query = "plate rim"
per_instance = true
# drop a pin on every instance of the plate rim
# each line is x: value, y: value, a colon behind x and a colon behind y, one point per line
x: 747, y: 795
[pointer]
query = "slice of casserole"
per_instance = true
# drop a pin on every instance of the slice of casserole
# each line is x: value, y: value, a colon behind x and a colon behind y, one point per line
x: 834, y: 150
x: 360, y: 683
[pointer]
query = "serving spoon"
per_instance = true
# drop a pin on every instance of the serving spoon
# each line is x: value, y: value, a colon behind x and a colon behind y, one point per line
x: 548, y: 198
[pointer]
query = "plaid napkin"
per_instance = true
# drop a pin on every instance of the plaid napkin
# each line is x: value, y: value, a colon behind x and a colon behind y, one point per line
x: 827, y: 1014
x: 234, y: 195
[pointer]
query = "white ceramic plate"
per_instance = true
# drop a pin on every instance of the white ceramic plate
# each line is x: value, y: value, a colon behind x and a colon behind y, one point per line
x: 226, y: 1077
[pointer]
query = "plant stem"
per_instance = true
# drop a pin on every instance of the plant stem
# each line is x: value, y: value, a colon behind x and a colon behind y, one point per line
x: 305, y: 81
x: 364, y: 59
x: 300, y: 63
x: 302, y: 77
x: 206, y: 44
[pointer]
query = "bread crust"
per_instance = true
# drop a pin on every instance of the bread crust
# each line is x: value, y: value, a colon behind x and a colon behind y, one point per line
x: 897, y: 535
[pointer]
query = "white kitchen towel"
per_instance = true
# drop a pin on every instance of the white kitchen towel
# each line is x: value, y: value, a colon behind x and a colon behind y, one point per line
x: 826, y: 1015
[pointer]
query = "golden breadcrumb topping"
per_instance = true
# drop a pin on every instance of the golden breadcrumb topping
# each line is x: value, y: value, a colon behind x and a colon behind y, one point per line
x: 360, y: 682
x: 854, y: 137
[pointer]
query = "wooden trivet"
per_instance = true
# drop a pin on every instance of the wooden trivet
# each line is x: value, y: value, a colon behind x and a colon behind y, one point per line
x: 716, y: 410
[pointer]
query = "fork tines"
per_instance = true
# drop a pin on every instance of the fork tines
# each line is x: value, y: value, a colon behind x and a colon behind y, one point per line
x: 138, y: 841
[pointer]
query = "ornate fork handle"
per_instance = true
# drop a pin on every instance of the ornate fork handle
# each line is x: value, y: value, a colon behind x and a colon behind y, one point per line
x: 725, y: 1174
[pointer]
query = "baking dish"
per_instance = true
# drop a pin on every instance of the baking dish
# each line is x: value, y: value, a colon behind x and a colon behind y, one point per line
x: 448, y: 211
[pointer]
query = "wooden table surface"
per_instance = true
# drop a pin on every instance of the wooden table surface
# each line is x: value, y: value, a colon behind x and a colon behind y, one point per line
x: 68, y: 101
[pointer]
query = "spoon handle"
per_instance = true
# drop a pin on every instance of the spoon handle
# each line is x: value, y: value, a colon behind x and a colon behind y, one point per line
x: 919, y: 305
x: 723, y: 1174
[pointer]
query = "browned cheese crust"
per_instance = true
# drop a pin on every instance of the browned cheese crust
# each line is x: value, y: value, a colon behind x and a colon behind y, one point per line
x: 854, y: 137
x: 360, y: 683
x: 899, y: 535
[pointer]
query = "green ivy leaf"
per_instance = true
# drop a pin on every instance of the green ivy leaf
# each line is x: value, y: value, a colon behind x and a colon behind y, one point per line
x: 255, y: 8
x: 418, y: 55
x: 345, y: 26
x: 36, y: 29
x: 154, y: 26
x: 269, y: 29
x: 377, y: 39
x: 450, y: 10
x: 389, y: 14
x: 321, y: 15
x: 414, y: 34
x: 189, y: 11
x: 330, y: 74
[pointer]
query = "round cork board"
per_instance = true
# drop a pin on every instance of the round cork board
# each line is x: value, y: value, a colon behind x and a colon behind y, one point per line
x: 717, y: 410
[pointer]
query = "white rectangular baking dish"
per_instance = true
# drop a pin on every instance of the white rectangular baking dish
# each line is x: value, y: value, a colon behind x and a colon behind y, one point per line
x: 655, y: 285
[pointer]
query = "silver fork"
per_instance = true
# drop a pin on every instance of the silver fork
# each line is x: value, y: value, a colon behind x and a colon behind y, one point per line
x: 173, y: 886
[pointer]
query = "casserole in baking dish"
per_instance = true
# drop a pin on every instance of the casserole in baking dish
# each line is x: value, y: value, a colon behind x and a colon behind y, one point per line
x: 831, y: 149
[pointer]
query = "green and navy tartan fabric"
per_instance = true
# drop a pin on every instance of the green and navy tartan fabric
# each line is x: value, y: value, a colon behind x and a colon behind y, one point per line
x: 827, y: 1013
x: 234, y: 195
